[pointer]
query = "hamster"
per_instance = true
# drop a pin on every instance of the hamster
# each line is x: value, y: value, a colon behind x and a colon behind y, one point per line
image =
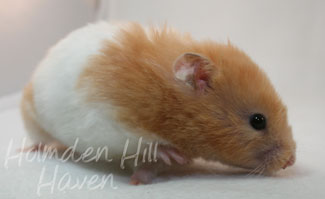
x: 104, y: 84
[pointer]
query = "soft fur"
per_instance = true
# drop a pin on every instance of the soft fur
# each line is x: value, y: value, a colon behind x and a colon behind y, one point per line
x: 133, y: 86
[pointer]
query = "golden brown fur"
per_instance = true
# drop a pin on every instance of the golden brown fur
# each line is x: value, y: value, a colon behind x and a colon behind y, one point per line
x: 135, y: 73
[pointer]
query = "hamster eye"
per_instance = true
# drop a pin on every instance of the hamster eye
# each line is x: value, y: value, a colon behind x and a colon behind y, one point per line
x: 258, y: 121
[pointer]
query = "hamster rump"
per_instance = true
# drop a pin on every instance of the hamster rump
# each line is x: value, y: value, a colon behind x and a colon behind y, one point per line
x: 200, y: 96
x: 53, y: 107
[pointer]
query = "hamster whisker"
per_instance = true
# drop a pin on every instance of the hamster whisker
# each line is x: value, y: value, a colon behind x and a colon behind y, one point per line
x: 256, y: 170
x: 262, y: 170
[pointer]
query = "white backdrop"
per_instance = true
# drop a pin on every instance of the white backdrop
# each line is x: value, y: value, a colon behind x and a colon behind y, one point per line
x: 28, y: 28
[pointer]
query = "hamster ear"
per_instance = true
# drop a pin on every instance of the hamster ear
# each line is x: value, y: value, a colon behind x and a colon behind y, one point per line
x: 194, y: 70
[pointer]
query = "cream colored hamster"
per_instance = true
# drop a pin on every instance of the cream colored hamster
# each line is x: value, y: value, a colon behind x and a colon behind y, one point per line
x: 104, y: 84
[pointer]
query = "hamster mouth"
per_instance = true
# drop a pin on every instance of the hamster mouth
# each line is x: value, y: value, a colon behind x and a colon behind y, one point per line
x: 273, y: 159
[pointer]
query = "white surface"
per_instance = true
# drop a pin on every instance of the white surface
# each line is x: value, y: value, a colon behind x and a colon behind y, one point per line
x: 306, y: 179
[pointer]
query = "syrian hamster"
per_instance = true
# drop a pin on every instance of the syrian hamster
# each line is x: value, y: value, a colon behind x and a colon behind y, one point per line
x: 104, y: 84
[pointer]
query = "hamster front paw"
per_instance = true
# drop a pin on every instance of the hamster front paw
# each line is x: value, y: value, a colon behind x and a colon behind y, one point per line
x: 145, y: 173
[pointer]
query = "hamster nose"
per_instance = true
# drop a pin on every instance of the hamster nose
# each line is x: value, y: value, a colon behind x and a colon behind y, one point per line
x: 290, y: 162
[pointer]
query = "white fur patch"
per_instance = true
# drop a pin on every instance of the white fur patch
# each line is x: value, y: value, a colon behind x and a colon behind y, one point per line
x: 62, y: 109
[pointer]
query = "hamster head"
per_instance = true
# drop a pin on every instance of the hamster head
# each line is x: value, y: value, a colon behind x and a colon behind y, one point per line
x: 244, y: 120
